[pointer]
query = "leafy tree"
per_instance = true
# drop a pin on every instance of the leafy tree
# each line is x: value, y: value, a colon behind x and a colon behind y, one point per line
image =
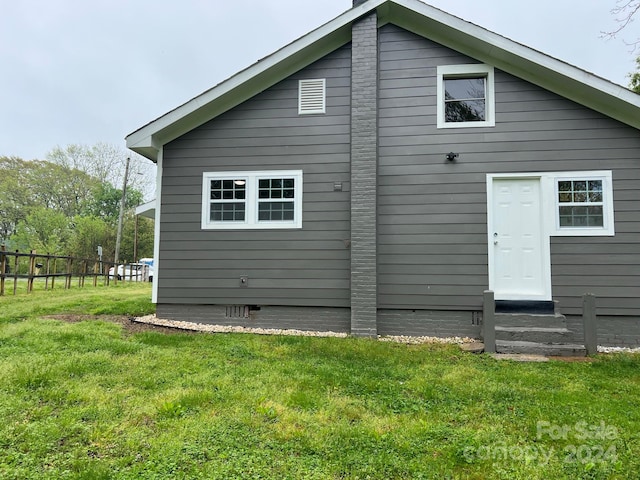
x: 107, y: 162
x: 145, y: 233
x: 634, y: 83
x: 105, y: 202
x: 43, y: 230
x: 26, y: 185
x: 89, y: 232
x: 60, y: 209
x: 15, y: 199
x: 59, y: 188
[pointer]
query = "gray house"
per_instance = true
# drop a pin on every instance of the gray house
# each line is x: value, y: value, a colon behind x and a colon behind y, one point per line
x: 377, y: 175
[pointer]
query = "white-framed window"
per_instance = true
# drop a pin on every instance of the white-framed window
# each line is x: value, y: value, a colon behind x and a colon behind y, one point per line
x: 466, y: 96
x: 583, y: 203
x: 252, y: 200
x: 312, y: 96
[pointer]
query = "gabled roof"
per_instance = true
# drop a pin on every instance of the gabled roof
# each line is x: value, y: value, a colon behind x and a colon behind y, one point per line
x: 519, y: 60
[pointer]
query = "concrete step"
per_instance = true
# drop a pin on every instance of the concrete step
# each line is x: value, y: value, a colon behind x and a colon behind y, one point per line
x: 537, y: 348
x: 530, y: 320
x: 532, y: 334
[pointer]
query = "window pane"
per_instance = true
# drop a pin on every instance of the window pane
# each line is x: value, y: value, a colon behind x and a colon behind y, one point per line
x: 216, y: 184
x: 227, y: 184
x: 596, y: 221
x: 564, y: 197
x: 465, y: 111
x: 564, y: 186
x: 595, y: 191
x: 465, y: 99
x: 595, y: 185
x: 580, y: 197
x: 577, y: 216
x: 227, y: 212
x: 595, y: 197
x: 580, y: 186
x: 464, y: 88
x: 276, y: 211
x: 288, y: 183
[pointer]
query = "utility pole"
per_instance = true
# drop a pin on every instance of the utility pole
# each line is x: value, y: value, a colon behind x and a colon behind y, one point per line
x: 121, y: 216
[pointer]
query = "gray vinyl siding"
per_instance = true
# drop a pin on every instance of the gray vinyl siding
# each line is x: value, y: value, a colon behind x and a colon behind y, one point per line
x: 305, y: 267
x: 432, y: 215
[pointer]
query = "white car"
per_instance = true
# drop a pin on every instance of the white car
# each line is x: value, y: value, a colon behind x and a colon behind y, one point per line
x: 138, y: 272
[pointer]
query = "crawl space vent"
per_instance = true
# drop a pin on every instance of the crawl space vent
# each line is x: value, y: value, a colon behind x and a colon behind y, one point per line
x: 237, y: 311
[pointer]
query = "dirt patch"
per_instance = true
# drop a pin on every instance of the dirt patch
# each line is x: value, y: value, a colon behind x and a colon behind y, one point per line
x: 128, y: 323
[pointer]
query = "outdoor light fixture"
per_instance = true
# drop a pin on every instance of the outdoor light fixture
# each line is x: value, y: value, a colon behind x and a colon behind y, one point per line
x: 451, y: 157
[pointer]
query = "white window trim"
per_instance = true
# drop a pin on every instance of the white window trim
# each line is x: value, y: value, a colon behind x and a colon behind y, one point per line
x: 462, y: 71
x: 548, y: 191
x: 313, y: 83
x: 608, y: 228
x: 251, y: 201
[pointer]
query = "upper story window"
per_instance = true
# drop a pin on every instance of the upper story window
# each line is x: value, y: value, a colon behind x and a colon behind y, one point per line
x: 466, y: 96
x: 312, y: 96
x: 584, y: 203
x: 252, y: 200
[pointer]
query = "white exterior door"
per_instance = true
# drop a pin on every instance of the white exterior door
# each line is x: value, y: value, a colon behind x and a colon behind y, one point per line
x: 519, y: 258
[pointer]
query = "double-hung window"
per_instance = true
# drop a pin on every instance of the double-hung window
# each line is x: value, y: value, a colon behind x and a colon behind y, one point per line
x: 465, y: 96
x: 252, y: 200
x: 584, y: 203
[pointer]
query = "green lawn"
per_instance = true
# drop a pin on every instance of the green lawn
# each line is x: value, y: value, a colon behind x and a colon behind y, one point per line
x: 88, y: 400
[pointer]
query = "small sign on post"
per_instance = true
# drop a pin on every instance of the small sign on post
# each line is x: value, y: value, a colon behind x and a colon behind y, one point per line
x: 100, y: 257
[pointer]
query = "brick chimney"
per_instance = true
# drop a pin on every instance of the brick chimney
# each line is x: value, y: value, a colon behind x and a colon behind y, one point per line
x: 364, y: 174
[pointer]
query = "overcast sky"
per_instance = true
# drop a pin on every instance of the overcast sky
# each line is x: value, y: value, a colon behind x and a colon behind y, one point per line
x: 88, y: 71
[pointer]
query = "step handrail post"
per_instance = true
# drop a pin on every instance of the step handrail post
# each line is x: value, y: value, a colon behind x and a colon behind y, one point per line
x: 489, y: 322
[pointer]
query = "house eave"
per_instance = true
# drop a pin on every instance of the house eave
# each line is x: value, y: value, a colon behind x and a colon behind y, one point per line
x: 521, y: 61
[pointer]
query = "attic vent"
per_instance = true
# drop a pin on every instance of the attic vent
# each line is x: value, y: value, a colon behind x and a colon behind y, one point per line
x: 237, y: 311
x: 311, y: 97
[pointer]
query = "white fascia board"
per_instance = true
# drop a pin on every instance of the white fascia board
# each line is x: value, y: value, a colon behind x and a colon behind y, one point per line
x: 261, y: 75
x: 519, y: 60
x: 147, y: 210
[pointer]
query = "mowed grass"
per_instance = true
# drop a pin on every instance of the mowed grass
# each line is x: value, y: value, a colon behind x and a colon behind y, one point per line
x: 88, y: 400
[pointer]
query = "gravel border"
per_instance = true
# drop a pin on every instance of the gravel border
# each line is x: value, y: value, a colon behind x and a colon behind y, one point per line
x: 602, y: 349
x: 206, y: 328
x: 201, y: 327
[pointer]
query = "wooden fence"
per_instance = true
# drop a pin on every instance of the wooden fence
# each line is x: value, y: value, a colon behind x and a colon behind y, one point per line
x: 58, y: 269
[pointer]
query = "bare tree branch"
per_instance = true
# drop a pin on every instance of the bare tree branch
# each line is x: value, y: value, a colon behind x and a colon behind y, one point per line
x: 624, y: 12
